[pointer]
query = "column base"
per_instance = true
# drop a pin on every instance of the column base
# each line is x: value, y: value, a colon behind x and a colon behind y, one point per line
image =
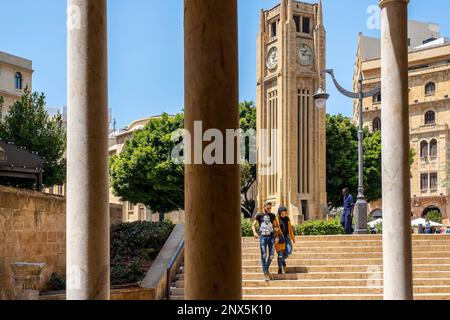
x: 360, y: 214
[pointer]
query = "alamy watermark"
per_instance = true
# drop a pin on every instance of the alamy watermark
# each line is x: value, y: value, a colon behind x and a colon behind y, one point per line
x: 374, y: 17
x: 215, y: 147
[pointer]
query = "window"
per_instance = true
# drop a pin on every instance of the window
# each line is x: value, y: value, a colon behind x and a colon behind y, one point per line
x: 433, y: 181
x: 430, y: 117
x: 424, y: 149
x: 297, y: 23
x: 2, y: 155
x: 305, y: 25
x: 433, y: 148
x: 424, y: 182
x: 430, y: 88
x: 376, y: 98
x: 18, y: 83
x: 376, y: 124
x: 273, y: 29
x: 130, y: 206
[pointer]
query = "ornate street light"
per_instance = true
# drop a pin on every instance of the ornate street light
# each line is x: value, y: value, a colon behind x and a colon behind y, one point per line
x: 320, y: 99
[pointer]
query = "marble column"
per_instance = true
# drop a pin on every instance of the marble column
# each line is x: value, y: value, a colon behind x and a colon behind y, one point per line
x: 397, y: 239
x: 213, y: 238
x: 87, y: 152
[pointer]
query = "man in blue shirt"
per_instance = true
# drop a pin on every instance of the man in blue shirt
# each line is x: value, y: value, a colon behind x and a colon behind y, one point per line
x: 347, y: 216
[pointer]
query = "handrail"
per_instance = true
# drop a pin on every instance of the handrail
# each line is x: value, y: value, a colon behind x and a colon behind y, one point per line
x: 170, y: 267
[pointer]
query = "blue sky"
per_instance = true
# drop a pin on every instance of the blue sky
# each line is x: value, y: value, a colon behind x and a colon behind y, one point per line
x: 146, y: 48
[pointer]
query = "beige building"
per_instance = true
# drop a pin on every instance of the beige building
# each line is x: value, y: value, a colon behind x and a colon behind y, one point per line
x: 290, y: 55
x: 15, y: 75
x: 429, y: 90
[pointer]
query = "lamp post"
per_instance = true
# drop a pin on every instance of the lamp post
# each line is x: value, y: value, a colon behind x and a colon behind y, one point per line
x: 320, y: 99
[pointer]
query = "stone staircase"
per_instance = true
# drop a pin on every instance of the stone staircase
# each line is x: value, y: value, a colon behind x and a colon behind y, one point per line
x: 340, y: 268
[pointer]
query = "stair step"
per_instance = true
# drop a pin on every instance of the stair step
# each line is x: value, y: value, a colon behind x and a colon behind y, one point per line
x: 357, y: 297
x: 339, y: 268
x: 331, y: 250
x: 351, y: 244
x: 364, y: 290
x: 415, y: 237
x: 376, y: 281
x: 344, y: 255
x: 346, y: 262
x: 346, y: 268
x: 343, y: 275
x: 341, y: 297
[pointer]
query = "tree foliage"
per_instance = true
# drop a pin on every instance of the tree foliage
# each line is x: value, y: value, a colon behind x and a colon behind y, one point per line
x: 342, y: 160
x: 29, y: 125
x: 145, y: 173
x: 247, y: 111
x: 342, y: 157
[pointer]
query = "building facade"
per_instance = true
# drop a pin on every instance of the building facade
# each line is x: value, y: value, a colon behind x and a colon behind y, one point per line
x: 15, y: 75
x: 429, y: 112
x: 291, y: 130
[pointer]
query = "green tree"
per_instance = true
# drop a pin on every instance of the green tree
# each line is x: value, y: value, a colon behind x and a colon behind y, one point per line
x: 342, y: 160
x: 145, y: 173
x: 247, y: 111
x: 342, y: 157
x: 28, y: 125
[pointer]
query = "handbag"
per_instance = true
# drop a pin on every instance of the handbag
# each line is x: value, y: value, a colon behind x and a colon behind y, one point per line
x: 280, y: 241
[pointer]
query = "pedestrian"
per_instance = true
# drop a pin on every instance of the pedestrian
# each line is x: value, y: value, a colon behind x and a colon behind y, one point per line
x: 428, y: 227
x: 284, y: 239
x: 266, y: 236
x: 347, y: 214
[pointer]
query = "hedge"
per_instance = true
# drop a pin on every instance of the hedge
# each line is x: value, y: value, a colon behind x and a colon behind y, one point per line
x: 134, y: 246
x: 319, y: 228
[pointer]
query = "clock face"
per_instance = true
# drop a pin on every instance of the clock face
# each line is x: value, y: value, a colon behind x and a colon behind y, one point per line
x: 272, y: 58
x: 305, y: 55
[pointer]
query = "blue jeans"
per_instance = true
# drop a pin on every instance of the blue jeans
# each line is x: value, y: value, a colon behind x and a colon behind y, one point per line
x: 283, y: 255
x: 264, y: 243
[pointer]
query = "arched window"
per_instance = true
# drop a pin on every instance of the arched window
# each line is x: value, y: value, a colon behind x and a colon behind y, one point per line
x: 424, y: 149
x: 430, y: 88
x: 376, y: 124
x: 18, y: 81
x: 433, y: 148
x: 430, y: 117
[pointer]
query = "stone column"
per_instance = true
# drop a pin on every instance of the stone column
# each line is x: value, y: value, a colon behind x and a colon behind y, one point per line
x: 213, y: 237
x: 27, y: 277
x: 397, y: 243
x: 87, y: 152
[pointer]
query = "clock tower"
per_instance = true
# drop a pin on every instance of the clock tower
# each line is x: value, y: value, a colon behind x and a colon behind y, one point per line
x: 291, y: 130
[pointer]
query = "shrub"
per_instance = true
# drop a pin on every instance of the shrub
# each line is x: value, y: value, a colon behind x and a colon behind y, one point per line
x: 133, y: 248
x: 379, y: 228
x: 57, y: 282
x: 127, y: 273
x: 435, y: 216
x: 319, y: 228
x: 246, y: 227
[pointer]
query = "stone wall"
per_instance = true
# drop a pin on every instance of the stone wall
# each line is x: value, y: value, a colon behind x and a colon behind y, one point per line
x: 32, y: 229
x: 116, y: 214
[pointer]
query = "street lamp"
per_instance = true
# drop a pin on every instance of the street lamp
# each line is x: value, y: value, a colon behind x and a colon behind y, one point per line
x: 320, y: 99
